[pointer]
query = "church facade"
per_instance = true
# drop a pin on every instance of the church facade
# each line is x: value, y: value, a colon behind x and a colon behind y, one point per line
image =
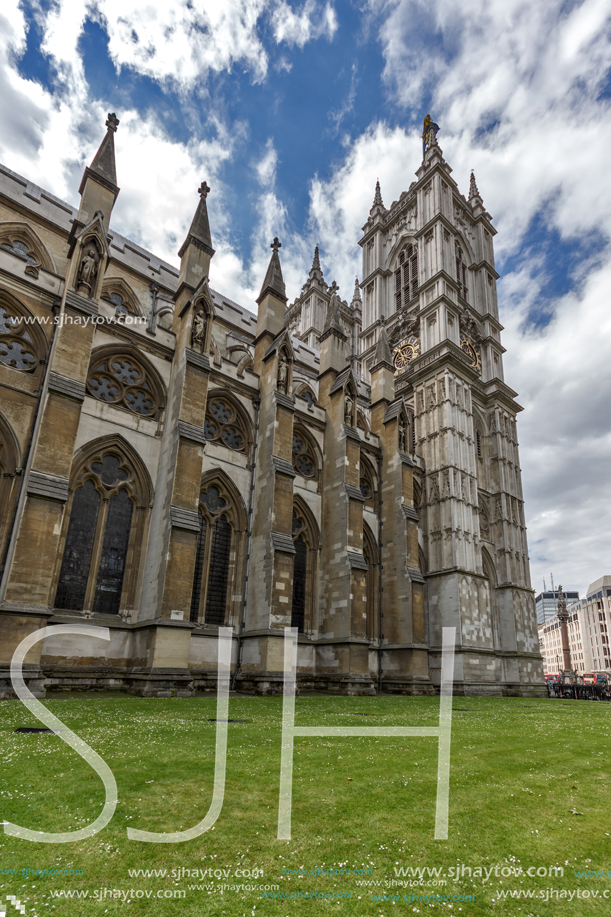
x: 172, y: 462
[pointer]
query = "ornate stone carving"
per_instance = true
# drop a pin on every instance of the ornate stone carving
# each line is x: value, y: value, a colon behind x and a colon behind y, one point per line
x: 348, y: 408
x: 402, y: 431
x: 198, y: 331
x: 88, y: 269
x: 283, y: 374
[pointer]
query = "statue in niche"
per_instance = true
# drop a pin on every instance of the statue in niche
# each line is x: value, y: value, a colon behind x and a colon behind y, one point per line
x: 198, y: 332
x: 88, y: 269
x: 348, y: 408
x: 402, y: 435
x: 283, y: 374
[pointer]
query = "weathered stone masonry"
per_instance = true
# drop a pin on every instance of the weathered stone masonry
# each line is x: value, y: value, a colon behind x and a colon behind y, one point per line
x: 171, y: 462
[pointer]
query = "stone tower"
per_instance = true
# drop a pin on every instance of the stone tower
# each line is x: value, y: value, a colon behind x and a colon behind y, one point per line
x: 430, y: 285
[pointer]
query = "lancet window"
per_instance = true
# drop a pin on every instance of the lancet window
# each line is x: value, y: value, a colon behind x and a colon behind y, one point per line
x: 306, y: 541
x: 103, y: 535
x: 406, y: 277
x: 461, y: 273
x: 218, y: 554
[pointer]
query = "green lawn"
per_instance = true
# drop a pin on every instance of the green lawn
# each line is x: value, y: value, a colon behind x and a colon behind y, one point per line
x: 521, y: 770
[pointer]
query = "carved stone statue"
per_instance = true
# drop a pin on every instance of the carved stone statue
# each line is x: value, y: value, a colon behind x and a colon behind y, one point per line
x: 402, y: 435
x: 198, y: 331
x: 283, y: 374
x: 348, y: 408
x: 88, y: 269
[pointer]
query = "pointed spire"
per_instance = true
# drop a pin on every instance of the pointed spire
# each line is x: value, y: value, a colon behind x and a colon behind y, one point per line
x: 199, y: 233
x: 356, y: 297
x: 316, y: 270
x: 332, y: 320
x: 382, y: 351
x: 473, y: 190
x: 274, y: 282
x: 103, y: 166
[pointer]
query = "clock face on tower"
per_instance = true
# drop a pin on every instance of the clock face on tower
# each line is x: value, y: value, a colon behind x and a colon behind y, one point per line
x: 405, y: 353
x: 472, y: 352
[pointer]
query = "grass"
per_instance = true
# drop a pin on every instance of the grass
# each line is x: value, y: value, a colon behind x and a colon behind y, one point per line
x: 521, y: 770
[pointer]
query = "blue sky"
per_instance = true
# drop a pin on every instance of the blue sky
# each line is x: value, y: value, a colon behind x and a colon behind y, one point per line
x: 292, y: 109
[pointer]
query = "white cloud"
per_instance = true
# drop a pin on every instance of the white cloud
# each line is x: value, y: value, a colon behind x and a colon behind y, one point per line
x: 515, y: 87
x: 533, y: 73
x: 340, y: 205
x: 182, y: 40
x: 310, y: 22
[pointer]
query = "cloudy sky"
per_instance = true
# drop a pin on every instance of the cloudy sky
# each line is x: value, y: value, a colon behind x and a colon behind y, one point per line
x: 291, y: 110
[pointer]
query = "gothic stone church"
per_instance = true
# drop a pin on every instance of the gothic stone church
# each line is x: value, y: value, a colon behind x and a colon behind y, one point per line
x: 171, y: 461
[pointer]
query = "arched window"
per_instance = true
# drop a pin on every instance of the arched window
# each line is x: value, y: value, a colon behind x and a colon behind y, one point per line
x: 304, y: 455
x: 406, y: 277
x: 9, y: 460
x: 20, y: 344
x: 117, y: 291
x: 367, y: 483
x: 225, y: 425
x: 461, y: 273
x: 306, y: 541
x: 20, y: 240
x: 372, y: 586
x: 125, y: 379
x: 104, y: 534
x: 218, y: 557
x: 306, y: 392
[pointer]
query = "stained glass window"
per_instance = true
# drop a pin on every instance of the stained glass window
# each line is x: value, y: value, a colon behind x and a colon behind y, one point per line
x: 107, y: 523
x: 212, y: 559
x: 114, y: 554
x: 76, y: 561
x: 219, y: 572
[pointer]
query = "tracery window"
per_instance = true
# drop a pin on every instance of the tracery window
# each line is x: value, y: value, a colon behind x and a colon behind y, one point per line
x: 20, y: 249
x: 214, y: 567
x: 406, y: 277
x: 101, y: 532
x: 17, y: 348
x: 121, y: 379
x: 304, y: 460
x: 224, y: 425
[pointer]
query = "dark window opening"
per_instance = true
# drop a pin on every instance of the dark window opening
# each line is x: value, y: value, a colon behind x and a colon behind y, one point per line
x: 219, y: 572
x: 199, y: 568
x: 76, y: 561
x: 299, y: 584
x: 114, y: 554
